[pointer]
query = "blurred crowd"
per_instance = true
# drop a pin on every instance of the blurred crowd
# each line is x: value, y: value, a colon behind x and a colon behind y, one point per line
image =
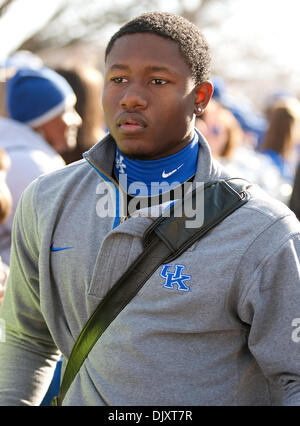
x: 261, y: 146
x: 49, y: 116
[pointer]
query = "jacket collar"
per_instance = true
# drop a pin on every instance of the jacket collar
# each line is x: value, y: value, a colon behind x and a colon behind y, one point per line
x: 102, y: 157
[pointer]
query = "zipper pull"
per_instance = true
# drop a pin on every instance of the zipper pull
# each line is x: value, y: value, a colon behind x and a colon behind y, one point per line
x: 122, y: 219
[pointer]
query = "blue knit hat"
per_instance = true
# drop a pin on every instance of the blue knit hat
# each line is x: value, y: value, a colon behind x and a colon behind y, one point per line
x: 36, y: 96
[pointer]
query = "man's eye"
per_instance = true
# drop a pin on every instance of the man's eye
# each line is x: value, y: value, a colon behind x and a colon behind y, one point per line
x: 158, y: 81
x: 118, y: 80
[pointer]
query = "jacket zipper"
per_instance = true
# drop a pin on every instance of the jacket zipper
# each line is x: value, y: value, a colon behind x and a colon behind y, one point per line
x: 119, y: 219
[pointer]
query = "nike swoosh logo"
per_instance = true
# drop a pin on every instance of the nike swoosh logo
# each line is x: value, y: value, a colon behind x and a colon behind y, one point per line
x: 52, y: 248
x: 165, y: 175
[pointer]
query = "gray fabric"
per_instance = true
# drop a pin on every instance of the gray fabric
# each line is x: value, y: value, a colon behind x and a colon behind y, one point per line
x: 227, y: 341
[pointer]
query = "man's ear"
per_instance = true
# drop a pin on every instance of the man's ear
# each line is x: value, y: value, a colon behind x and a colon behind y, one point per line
x: 204, y: 93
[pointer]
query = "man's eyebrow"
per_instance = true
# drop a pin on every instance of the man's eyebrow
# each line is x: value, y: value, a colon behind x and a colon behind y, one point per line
x: 158, y: 68
x: 150, y: 68
x: 119, y: 67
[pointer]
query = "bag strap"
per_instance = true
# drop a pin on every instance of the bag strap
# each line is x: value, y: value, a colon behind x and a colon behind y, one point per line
x: 164, y: 240
x: 217, y: 200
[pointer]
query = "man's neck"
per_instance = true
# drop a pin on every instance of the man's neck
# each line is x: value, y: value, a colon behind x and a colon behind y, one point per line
x: 149, y: 178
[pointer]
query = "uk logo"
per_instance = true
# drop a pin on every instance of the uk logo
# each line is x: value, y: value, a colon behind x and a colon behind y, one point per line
x: 175, y: 278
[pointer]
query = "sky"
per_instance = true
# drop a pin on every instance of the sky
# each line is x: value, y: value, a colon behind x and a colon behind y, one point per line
x: 272, y: 17
x: 271, y: 24
x: 274, y: 24
x: 20, y: 22
x: 266, y: 29
x: 268, y: 26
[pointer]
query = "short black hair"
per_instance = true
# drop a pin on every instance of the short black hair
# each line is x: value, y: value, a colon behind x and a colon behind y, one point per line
x: 191, y: 42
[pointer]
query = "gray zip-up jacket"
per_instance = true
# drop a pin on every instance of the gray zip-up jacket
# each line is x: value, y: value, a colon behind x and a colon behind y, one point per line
x: 220, y: 325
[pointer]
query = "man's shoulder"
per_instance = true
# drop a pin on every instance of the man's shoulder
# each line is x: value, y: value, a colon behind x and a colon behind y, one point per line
x: 263, y: 204
x: 261, y: 207
x: 267, y: 219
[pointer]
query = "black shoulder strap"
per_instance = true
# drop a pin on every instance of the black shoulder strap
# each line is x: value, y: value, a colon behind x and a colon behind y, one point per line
x: 199, y: 212
x: 165, y: 240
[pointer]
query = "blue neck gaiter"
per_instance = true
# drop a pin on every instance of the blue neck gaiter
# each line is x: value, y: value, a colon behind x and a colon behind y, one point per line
x: 148, y: 178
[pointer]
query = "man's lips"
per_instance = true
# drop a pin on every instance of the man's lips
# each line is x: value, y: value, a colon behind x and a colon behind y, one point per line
x: 131, y: 122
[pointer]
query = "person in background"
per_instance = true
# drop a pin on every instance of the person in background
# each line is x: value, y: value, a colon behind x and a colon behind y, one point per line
x: 87, y: 84
x: 9, y: 66
x: 251, y: 121
x: 222, y: 131
x: 282, y: 136
x: 5, y: 208
x: 41, y: 123
x: 228, y: 144
x: 294, y: 202
x: 44, y: 101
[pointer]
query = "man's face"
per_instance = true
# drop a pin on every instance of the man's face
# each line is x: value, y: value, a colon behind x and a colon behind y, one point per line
x: 149, y: 96
x: 61, y: 131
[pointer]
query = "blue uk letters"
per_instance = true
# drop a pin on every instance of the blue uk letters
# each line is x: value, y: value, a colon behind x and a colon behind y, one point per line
x: 176, y: 278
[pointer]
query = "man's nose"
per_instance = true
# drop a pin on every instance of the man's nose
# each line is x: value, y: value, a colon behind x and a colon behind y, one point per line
x: 133, y: 98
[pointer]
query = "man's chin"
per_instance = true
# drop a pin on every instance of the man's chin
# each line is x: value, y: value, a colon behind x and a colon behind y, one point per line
x: 135, y: 155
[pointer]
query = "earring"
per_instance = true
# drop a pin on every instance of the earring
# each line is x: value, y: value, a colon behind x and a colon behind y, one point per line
x: 199, y: 110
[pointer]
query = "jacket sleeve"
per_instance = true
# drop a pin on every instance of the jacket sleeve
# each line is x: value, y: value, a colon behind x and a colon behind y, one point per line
x: 28, y: 354
x: 271, y: 306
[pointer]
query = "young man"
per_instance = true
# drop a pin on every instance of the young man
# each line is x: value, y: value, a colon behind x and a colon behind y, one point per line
x: 219, y: 325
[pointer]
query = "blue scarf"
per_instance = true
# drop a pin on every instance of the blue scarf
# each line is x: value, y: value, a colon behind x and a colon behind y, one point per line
x: 152, y: 177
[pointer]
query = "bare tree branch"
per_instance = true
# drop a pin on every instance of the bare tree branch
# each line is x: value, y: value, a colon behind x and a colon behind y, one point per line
x: 85, y: 26
x: 4, y: 6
